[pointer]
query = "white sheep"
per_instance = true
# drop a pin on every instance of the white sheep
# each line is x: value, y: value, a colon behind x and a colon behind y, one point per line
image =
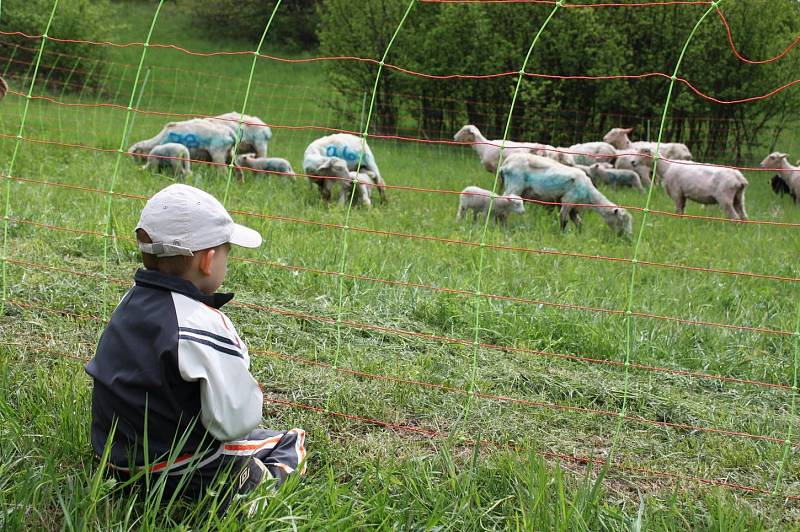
x: 254, y: 136
x: 203, y: 138
x: 618, y: 138
x: 539, y: 178
x: 344, y: 147
x: 788, y: 173
x: 605, y: 173
x: 624, y: 161
x: 478, y: 200
x: 266, y: 164
x: 363, y: 181
x: 326, y: 174
x: 704, y: 184
x: 589, y: 153
x: 489, y: 150
x: 170, y: 155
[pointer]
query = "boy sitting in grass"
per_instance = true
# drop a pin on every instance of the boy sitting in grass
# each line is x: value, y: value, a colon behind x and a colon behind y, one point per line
x: 171, y: 379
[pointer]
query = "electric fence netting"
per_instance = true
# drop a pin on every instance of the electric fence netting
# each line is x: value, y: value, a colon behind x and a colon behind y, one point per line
x: 668, y: 359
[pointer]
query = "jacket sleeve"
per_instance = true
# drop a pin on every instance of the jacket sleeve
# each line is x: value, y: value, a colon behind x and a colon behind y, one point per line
x: 230, y: 398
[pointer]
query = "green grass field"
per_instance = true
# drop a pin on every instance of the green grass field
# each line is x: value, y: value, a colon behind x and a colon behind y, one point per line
x: 408, y: 313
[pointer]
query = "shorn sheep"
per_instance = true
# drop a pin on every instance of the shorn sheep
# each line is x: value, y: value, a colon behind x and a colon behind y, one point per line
x: 539, y: 178
x: 589, y: 153
x: 489, y: 150
x: 618, y: 138
x: 204, y: 139
x: 170, y: 155
x: 478, y: 200
x: 266, y: 164
x: 605, y: 173
x: 789, y: 174
x: 363, y: 183
x: 344, y: 147
x: 254, y: 136
x: 704, y: 184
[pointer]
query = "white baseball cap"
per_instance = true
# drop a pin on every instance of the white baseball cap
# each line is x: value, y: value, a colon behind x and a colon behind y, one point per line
x: 181, y: 219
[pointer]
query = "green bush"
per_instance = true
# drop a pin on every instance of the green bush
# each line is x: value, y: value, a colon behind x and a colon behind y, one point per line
x: 294, y: 25
x: 64, y: 65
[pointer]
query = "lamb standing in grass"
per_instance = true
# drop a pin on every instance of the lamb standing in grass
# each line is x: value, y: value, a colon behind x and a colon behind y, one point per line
x: 363, y: 181
x: 254, y: 135
x: 788, y: 173
x: 329, y: 172
x: 343, y: 147
x: 265, y: 164
x: 618, y: 138
x: 204, y: 140
x: 703, y: 184
x: 489, y: 150
x: 170, y: 155
x: 478, y: 200
x: 605, y: 173
x: 539, y: 178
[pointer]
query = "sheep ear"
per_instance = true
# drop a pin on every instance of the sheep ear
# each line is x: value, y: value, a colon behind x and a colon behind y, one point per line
x: 627, y: 129
x: 782, y: 155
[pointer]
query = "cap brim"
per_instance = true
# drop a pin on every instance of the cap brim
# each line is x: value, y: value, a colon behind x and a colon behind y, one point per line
x: 245, y: 237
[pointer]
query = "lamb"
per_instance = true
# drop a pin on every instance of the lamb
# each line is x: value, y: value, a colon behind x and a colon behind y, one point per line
x: 254, y: 135
x: 618, y: 138
x: 790, y: 174
x: 489, y: 151
x: 170, y: 155
x: 539, y: 178
x: 477, y: 200
x: 703, y: 184
x: 204, y: 140
x: 327, y: 173
x: 363, y: 181
x: 344, y: 147
x: 590, y: 153
x: 624, y: 161
x: 605, y: 173
x: 267, y: 164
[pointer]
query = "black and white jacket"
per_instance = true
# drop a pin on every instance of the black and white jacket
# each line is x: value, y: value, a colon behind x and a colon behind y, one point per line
x: 171, y: 362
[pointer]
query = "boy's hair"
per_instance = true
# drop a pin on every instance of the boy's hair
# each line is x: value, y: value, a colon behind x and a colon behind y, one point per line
x: 177, y: 265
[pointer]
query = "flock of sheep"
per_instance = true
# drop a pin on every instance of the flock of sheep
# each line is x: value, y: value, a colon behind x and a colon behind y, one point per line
x: 568, y: 177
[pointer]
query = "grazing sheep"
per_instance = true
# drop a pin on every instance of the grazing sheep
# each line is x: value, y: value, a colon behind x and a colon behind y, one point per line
x: 788, y: 173
x: 267, y: 164
x: 363, y: 181
x: 203, y: 138
x: 254, y: 136
x: 590, y: 153
x: 170, y: 155
x: 618, y: 138
x: 704, y: 184
x: 542, y: 179
x: 344, y: 147
x: 489, y: 150
x: 605, y: 173
x: 477, y: 200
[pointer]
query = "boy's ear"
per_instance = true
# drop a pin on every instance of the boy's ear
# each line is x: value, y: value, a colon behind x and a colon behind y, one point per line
x: 205, y: 258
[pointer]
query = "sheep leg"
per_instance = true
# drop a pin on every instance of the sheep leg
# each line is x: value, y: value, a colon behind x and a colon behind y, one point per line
x: 575, y: 216
x: 381, y: 184
x: 680, y: 203
x: 738, y: 204
x: 460, y: 213
x: 565, y: 216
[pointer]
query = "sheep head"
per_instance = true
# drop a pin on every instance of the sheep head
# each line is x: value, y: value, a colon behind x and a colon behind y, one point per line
x: 774, y: 160
x: 468, y: 133
x: 618, y: 137
x: 620, y: 221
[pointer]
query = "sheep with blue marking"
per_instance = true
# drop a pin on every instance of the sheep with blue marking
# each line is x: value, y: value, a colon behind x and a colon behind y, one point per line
x: 204, y: 139
x: 342, y: 147
x: 542, y: 179
x: 263, y: 164
x: 254, y: 134
x: 605, y: 173
x: 170, y: 155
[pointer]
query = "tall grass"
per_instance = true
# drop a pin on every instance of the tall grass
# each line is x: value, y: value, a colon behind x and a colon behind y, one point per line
x: 362, y: 473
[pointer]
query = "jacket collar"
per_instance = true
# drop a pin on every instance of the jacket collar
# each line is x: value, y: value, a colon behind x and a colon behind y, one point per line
x: 162, y: 281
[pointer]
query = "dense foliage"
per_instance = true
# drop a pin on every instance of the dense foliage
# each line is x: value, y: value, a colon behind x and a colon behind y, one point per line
x: 491, y: 38
x: 294, y: 24
x: 67, y: 64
